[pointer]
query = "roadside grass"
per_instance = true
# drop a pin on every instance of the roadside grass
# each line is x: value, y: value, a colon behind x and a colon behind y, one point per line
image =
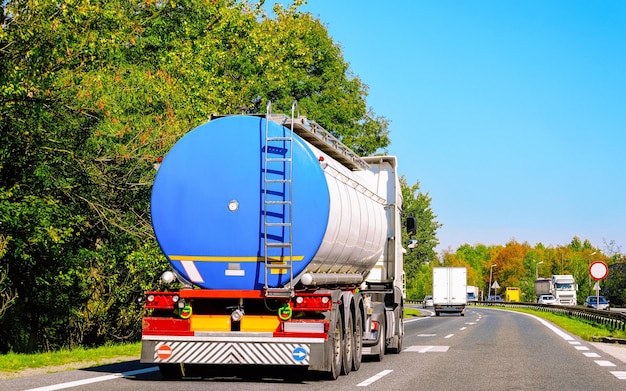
x: 584, y: 329
x: 72, y: 359
x: 410, y: 312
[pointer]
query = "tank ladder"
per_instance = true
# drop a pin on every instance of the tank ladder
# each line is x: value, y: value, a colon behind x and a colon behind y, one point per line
x: 277, y: 207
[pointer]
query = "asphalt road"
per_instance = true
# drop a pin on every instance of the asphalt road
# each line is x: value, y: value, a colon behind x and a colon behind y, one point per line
x: 487, y: 349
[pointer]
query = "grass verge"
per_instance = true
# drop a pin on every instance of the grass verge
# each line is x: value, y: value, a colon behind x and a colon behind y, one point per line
x: 12, y: 363
x: 584, y: 329
x: 410, y: 312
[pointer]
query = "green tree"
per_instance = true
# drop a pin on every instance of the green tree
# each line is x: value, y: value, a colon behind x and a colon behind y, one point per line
x: 91, y: 93
x: 417, y: 204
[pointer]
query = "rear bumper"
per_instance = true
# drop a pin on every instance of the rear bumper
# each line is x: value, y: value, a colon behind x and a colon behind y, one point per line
x: 449, y: 308
x: 224, y: 349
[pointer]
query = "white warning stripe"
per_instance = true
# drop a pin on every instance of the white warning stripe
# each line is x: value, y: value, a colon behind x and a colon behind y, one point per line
x: 192, y: 271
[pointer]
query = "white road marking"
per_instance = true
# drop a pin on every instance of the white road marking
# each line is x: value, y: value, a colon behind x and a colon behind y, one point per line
x: 574, y: 343
x: 449, y: 336
x: 427, y: 349
x: 581, y: 348
x: 374, y: 378
x: 558, y: 332
x: 426, y: 335
x: 604, y: 363
x: 595, y: 355
x: 619, y: 374
x: 462, y: 328
x: 78, y: 383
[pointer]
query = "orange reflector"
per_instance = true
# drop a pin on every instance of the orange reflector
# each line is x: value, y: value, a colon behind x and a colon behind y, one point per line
x: 259, y: 323
x: 210, y: 322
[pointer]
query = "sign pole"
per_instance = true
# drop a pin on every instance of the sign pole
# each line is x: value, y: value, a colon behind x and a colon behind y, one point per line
x: 598, y: 271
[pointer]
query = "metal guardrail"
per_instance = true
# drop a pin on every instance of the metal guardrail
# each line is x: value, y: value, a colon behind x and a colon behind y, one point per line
x: 611, y: 320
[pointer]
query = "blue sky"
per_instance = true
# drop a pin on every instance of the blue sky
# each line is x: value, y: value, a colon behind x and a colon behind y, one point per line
x: 511, y: 114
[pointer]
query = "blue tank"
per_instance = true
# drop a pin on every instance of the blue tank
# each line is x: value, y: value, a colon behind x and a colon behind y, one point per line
x: 208, y: 207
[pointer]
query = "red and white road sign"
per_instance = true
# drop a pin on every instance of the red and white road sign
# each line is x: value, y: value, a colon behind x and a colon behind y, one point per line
x: 164, y: 352
x: 598, y: 270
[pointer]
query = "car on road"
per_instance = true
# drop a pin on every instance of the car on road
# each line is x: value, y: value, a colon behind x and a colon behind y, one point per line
x: 428, y: 302
x: 546, y: 299
x: 597, y: 302
x: 494, y: 298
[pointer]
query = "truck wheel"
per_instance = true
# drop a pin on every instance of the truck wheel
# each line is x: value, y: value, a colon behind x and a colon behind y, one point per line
x: 336, y: 352
x: 348, y: 346
x: 381, y: 342
x: 171, y: 371
x: 436, y: 313
x: 357, y: 344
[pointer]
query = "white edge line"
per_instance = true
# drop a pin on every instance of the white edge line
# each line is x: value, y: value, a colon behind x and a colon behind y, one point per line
x: 94, y: 380
x: 555, y: 329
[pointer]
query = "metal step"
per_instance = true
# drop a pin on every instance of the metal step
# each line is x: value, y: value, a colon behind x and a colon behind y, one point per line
x: 278, y: 225
x: 277, y: 202
x: 284, y: 293
x: 278, y: 245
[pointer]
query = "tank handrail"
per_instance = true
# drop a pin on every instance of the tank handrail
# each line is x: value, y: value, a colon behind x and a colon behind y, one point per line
x: 315, y: 134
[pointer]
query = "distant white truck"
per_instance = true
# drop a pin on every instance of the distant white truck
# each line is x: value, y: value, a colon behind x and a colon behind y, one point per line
x: 472, y: 293
x: 449, y: 290
x: 563, y: 287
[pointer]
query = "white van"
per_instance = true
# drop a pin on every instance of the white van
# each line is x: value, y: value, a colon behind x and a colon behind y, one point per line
x: 546, y: 299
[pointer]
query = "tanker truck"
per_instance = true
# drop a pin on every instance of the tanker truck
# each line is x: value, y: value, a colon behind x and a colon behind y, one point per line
x: 285, y: 250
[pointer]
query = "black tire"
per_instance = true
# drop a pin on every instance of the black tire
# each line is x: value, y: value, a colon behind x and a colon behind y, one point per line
x: 348, y: 345
x: 436, y: 313
x: 336, y: 353
x: 171, y: 371
x: 357, y: 345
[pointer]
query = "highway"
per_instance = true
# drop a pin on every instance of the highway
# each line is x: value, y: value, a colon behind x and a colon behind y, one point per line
x: 487, y: 349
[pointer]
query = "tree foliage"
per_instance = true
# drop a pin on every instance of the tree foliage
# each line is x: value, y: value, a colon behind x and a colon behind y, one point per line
x: 418, y: 261
x: 91, y: 93
x: 518, y: 264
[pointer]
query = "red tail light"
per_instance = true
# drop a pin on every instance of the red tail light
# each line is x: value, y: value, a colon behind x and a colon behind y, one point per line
x: 312, y: 303
x: 161, y: 300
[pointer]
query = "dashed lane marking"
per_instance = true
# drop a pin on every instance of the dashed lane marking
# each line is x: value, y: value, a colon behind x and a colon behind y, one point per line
x: 374, y: 378
x: 581, y: 348
x: 449, y: 336
x: 427, y: 349
x: 619, y: 374
x: 604, y: 363
x: 594, y: 355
